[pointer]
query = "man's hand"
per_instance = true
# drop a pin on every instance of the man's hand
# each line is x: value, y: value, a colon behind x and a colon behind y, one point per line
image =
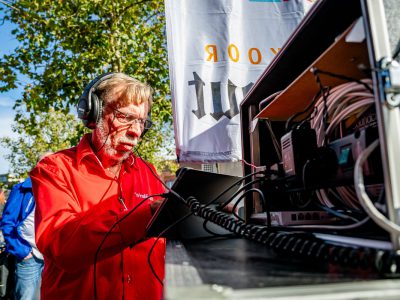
x: 155, y: 204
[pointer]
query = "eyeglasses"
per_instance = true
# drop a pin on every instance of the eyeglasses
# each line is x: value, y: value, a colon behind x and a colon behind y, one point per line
x: 130, y: 119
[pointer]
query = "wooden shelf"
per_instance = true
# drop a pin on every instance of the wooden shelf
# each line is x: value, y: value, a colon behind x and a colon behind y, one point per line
x: 342, y: 58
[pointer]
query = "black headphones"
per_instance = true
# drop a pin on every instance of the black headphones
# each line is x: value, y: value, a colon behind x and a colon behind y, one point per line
x: 90, y: 106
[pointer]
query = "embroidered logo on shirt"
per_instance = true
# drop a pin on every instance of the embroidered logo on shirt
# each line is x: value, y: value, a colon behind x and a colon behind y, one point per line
x: 140, y: 195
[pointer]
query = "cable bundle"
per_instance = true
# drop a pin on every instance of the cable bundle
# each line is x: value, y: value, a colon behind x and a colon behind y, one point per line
x: 343, y: 101
x: 332, y: 110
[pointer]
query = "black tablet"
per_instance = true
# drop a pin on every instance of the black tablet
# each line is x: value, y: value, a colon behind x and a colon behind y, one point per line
x: 205, y: 187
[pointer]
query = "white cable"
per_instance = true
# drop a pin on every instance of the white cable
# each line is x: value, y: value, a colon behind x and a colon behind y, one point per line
x: 348, y: 111
x: 362, y: 195
x: 323, y: 198
x: 343, y: 101
x: 347, y: 197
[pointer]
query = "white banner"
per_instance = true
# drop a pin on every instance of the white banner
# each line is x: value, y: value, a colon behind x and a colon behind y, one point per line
x: 217, y: 49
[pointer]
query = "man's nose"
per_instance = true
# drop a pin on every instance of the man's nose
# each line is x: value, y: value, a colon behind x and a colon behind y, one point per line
x: 135, y: 129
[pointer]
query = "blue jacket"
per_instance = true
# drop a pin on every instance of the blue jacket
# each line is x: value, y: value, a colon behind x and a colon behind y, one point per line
x: 19, y: 205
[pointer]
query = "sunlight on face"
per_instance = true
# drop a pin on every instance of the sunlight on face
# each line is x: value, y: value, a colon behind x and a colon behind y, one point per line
x: 114, y: 140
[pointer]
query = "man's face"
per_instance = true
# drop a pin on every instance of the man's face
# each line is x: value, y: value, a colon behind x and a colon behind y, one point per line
x: 118, y: 132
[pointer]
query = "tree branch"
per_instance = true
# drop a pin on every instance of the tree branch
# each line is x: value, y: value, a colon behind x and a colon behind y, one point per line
x: 9, y: 5
x: 132, y: 5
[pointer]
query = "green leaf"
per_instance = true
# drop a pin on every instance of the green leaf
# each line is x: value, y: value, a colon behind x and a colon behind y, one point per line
x: 65, y: 44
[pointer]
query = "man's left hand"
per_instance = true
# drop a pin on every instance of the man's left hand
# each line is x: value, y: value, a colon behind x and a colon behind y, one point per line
x: 155, y: 204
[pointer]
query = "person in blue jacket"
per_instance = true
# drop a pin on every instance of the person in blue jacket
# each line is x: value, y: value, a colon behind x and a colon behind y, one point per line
x: 18, y: 229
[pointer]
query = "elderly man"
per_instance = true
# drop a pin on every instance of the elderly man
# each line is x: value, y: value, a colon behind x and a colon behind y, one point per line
x: 94, y: 201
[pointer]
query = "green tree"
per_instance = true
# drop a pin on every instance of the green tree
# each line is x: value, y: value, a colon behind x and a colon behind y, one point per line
x: 65, y: 44
x: 54, y: 131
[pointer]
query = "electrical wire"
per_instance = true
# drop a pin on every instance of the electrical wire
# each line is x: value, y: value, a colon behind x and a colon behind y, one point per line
x: 156, y: 240
x: 237, y: 202
x: 338, y: 214
x: 343, y: 101
x: 209, y: 231
x: 275, y: 142
x: 304, y: 245
x: 362, y: 195
x: 109, y: 232
x: 268, y: 100
x: 248, y: 164
x: 263, y: 201
x: 288, y: 126
x: 224, y: 204
x: 234, y: 184
x: 396, y: 52
x: 340, y: 76
x: 299, y: 244
x: 188, y: 215
x: 120, y: 220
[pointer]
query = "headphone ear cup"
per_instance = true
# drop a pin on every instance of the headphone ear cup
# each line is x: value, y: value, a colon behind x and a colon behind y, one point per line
x: 96, y: 112
x: 89, y: 106
x: 93, y: 114
x: 83, y: 109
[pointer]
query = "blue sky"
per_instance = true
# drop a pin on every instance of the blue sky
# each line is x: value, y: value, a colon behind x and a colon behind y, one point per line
x: 7, y: 100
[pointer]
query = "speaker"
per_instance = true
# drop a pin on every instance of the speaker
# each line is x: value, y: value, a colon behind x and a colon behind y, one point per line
x: 90, y: 107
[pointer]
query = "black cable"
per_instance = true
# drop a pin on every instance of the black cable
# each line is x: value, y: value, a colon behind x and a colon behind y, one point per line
x: 214, y: 234
x: 156, y: 240
x: 303, y: 245
x: 212, y: 201
x: 396, y: 52
x: 161, y: 181
x: 158, y: 237
x: 340, y: 76
x: 221, y: 206
x: 263, y: 203
x: 137, y: 148
x: 108, y: 233
x: 236, y: 215
x: 234, y: 184
x: 265, y: 206
x: 220, y: 218
x: 189, y: 214
x: 268, y: 100
x: 325, y: 94
x: 116, y: 223
x: 230, y: 200
x: 309, y: 106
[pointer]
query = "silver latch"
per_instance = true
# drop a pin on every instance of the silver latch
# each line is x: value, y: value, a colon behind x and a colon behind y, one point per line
x: 392, y: 83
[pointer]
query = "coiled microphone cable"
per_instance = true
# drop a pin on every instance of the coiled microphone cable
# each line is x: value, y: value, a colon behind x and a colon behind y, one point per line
x: 188, y: 215
x: 303, y: 245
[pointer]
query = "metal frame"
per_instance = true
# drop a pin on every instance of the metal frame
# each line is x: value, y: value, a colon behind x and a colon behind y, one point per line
x: 388, y: 115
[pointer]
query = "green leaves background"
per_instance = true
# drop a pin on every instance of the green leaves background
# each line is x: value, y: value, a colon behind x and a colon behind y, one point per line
x: 65, y: 44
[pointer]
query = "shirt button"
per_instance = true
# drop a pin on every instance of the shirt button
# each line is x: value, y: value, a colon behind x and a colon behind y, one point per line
x: 129, y: 279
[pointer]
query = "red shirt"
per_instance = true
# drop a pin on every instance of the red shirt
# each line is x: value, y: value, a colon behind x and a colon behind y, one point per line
x: 77, y: 202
